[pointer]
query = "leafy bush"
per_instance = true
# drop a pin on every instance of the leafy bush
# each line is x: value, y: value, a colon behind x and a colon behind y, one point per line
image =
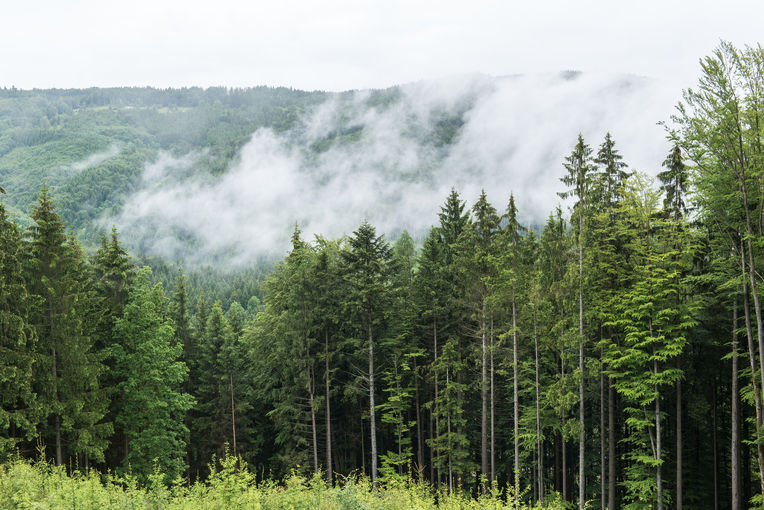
x: 231, y: 485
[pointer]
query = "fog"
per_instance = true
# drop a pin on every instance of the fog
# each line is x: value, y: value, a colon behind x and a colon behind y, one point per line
x: 380, y: 156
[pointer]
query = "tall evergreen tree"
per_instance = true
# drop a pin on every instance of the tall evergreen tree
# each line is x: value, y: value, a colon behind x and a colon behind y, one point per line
x: 578, y: 165
x: 481, y: 259
x: 367, y: 264
x: 68, y: 370
x: 149, y: 364
x: 18, y: 410
x: 113, y: 274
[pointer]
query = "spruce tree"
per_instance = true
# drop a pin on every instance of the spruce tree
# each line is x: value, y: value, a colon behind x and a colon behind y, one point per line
x: 149, y: 364
x: 68, y: 371
x: 367, y: 266
x: 578, y: 178
x: 18, y: 409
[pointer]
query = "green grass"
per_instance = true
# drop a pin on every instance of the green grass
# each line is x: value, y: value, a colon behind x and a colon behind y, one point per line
x: 39, y: 485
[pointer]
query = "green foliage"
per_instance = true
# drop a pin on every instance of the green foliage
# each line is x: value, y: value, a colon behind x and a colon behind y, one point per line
x: 17, y: 399
x: 25, y: 485
x: 148, y: 364
x: 67, y: 370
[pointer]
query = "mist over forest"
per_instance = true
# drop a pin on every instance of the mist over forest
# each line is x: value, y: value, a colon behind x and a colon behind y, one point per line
x: 217, y: 175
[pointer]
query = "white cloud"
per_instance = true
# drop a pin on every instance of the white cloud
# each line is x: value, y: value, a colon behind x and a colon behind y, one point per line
x: 516, y: 133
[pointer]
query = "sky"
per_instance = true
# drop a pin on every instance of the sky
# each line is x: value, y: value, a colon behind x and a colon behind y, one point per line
x: 356, y: 44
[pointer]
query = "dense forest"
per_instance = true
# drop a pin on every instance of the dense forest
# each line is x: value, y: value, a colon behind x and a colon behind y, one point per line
x: 612, y: 357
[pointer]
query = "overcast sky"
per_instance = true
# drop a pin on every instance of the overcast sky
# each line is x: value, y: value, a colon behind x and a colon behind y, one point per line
x: 347, y: 44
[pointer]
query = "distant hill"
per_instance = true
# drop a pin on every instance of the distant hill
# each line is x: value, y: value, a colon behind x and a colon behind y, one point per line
x: 90, y: 146
x: 221, y: 176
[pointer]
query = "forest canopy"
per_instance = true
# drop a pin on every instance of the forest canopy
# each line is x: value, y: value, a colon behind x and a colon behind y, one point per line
x: 613, y: 356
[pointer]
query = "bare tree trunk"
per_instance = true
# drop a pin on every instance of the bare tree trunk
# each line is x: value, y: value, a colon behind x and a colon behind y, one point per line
x: 754, y: 291
x: 603, y: 481
x: 312, y: 404
x: 233, y: 416
x: 564, y: 469
x: 372, y: 410
x: 562, y: 435
x: 714, y: 446
x: 735, y: 447
x: 516, y: 399
x: 432, y: 457
x: 448, y: 433
x: 755, y: 384
x: 434, y: 452
x: 658, y: 474
x: 329, y: 472
x: 484, y: 393
x: 493, y: 411
x: 539, y: 443
x: 611, y: 465
x: 679, y: 483
x: 582, y: 431
x: 419, y: 440
x: 54, y: 369
x: 363, y: 449
x: 59, y: 455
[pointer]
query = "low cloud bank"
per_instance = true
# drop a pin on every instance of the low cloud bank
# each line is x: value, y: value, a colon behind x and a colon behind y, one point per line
x: 391, y: 157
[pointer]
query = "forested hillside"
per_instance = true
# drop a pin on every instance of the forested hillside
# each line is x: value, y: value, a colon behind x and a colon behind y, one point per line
x: 91, y: 145
x: 612, y: 356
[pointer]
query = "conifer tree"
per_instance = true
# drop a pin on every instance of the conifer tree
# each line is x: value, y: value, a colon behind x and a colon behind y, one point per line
x: 329, y: 289
x: 454, y: 230
x: 215, y: 415
x: 578, y: 165
x: 149, y: 364
x: 606, y: 261
x: 480, y: 259
x: 430, y: 293
x: 367, y: 263
x: 18, y: 410
x: 113, y: 274
x: 68, y: 371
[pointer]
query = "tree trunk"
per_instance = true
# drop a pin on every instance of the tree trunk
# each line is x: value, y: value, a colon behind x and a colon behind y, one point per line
x: 372, y: 409
x: 713, y: 444
x: 312, y: 404
x: 328, y: 411
x: 54, y: 369
x: 419, y: 440
x: 755, y: 384
x: 658, y: 474
x: 432, y: 457
x: 562, y: 435
x: 233, y: 416
x: 602, y: 439
x: 754, y: 291
x: 493, y: 412
x: 483, y: 394
x: 516, y: 399
x: 582, y: 431
x: 611, y: 462
x: 735, y: 446
x: 679, y: 484
x: 539, y: 443
x: 564, y: 469
x: 434, y: 452
x: 363, y: 449
x: 448, y: 434
x: 59, y: 455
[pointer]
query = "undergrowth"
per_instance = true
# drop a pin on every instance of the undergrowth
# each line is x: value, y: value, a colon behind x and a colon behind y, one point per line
x: 40, y: 485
